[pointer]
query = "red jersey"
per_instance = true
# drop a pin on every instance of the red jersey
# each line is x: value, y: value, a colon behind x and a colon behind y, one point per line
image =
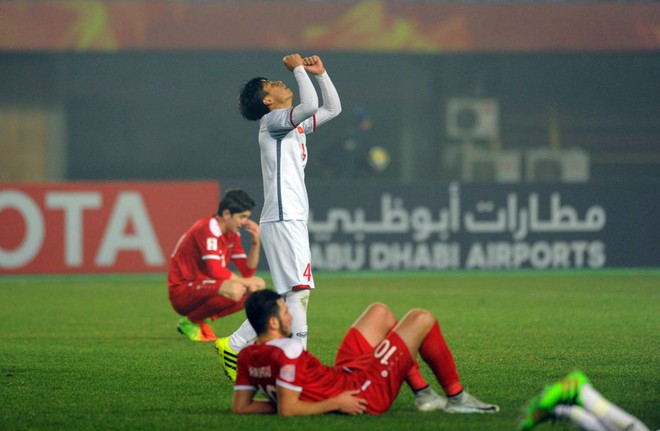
x: 284, y: 362
x: 204, y: 252
x: 377, y: 372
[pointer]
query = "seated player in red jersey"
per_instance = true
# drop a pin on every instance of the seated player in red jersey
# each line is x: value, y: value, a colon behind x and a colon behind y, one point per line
x: 371, y: 364
x: 201, y: 286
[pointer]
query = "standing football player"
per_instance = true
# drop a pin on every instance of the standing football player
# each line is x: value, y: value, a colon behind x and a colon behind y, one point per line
x: 283, y: 130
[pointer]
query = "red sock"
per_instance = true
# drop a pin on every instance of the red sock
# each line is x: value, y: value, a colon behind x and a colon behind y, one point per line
x: 436, y: 353
x: 414, y: 378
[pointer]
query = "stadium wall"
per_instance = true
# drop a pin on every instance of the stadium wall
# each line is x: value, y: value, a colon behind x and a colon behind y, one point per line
x: 173, y: 116
x: 87, y: 83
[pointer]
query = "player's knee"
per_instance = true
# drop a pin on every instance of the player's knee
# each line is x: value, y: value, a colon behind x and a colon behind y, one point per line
x: 260, y: 283
x: 381, y: 313
x: 232, y: 290
x: 421, y: 318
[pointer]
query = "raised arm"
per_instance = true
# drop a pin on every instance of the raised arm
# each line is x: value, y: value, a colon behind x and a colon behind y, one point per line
x: 309, y: 101
x: 331, y: 104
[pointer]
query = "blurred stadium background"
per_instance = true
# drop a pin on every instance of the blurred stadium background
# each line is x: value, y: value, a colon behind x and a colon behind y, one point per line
x: 540, y: 118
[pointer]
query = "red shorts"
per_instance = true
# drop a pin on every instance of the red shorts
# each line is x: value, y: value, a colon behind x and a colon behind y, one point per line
x: 187, y: 297
x: 381, y: 370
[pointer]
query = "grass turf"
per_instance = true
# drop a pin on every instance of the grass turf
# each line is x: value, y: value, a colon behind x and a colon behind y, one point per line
x: 102, y: 352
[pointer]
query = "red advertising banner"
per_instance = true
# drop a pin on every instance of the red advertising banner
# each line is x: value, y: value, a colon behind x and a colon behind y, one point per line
x: 363, y: 26
x: 97, y: 227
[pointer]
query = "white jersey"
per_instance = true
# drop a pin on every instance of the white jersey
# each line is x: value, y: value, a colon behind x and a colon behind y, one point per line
x: 283, y: 143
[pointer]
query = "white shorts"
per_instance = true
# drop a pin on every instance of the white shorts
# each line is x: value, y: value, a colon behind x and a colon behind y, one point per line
x: 286, y: 244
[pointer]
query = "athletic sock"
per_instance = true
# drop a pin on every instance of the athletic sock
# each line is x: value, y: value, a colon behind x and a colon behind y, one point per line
x: 243, y: 336
x: 297, y: 301
x: 609, y: 414
x: 414, y: 378
x: 584, y: 420
x: 436, y: 353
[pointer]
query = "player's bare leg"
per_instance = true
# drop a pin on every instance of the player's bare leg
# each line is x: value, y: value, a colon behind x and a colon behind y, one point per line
x: 375, y: 323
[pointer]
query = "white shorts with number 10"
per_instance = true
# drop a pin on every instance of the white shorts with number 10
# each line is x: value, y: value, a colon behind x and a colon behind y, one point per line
x: 286, y: 244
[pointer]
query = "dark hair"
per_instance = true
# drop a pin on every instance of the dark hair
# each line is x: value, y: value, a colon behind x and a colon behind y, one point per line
x: 236, y: 201
x: 260, y: 306
x: 251, y: 99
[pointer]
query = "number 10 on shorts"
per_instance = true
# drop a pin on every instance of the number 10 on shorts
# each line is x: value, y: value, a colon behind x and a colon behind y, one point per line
x: 384, y: 350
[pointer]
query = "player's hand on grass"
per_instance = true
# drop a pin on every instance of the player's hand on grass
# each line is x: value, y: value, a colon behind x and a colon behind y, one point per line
x: 292, y: 61
x: 313, y: 64
x: 350, y: 404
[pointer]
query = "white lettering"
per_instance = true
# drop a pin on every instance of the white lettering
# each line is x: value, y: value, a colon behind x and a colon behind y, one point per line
x: 384, y: 351
x: 446, y: 256
x: 541, y: 255
x: 35, y: 229
x: 520, y: 254
x: 129, y: 208
x: 502, y: 255
x: 476, y: 257
x: 579, y: 247
x: 379, y: 256
x: 488, y: 217
x: 73, y: 204
x: 561, y: 254
x: 400, y: 255
x: 422, y: 256
x: 414, y: 256
x: 259, y: 372
x: 537, y: 255
x: 597, y: 256
x: 337, y: 256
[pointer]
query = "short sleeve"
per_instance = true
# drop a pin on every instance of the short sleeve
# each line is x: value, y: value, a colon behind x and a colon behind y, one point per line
x: 242, y: 375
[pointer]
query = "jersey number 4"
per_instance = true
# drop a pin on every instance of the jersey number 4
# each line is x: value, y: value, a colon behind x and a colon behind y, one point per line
x: 308, y: 272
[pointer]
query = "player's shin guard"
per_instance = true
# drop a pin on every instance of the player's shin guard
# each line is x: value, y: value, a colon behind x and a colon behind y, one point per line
x: 297, y: 301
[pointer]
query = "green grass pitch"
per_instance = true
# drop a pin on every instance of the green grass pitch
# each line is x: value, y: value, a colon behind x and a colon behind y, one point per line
x: 102, y: 352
